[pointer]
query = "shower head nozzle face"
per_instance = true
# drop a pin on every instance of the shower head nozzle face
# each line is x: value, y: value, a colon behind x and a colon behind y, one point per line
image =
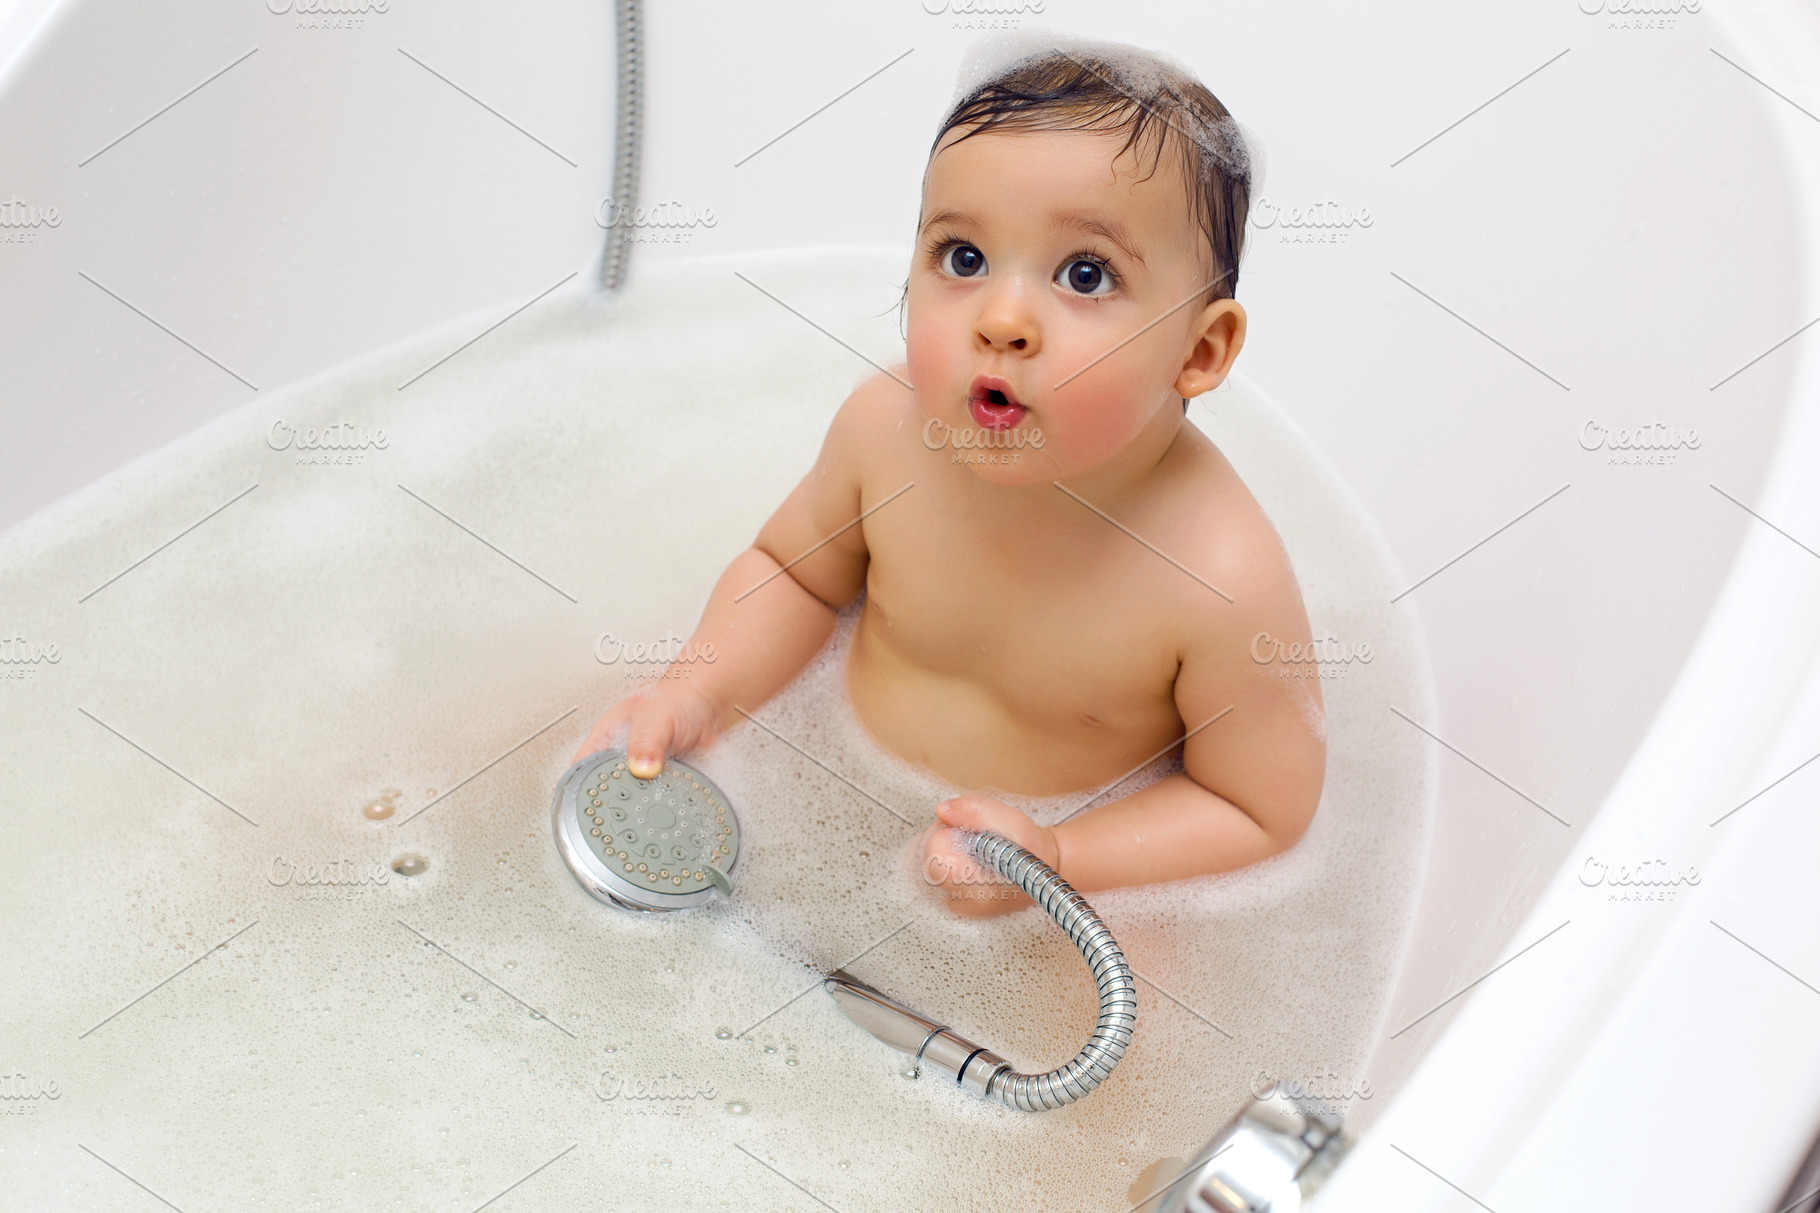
x: 647, y: 844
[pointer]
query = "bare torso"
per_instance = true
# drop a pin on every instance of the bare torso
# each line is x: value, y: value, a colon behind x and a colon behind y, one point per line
x: 1040, y: 660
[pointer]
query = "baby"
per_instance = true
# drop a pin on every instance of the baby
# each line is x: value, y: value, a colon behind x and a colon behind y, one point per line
x: 1064, y: 577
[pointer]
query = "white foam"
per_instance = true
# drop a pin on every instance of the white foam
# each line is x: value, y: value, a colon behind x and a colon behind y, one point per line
x: 1139, y: 73
x: 329, y: 638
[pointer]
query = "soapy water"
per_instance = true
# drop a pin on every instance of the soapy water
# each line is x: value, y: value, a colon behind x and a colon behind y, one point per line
x: 329, y: 635
x: 1139, y: 73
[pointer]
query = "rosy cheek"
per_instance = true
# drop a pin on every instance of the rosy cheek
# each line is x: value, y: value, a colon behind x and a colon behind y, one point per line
x: 922, y: 353
x: 933, y: 352
x: 1093, y: 431
x: 1096, y: 414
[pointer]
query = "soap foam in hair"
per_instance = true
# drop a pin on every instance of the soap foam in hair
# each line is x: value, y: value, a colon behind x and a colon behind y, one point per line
x: 1141, y: 73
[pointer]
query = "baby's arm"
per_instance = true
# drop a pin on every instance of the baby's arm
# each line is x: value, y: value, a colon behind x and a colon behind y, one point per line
x: 1249, y: 787
x: 764, y: 621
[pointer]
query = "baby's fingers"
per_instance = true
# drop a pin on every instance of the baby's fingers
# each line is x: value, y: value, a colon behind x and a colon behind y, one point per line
x: 975, y: 812
x: 944, y: 860
x: 648, y: 742
x: 610, y: 722
x: 983, y: 813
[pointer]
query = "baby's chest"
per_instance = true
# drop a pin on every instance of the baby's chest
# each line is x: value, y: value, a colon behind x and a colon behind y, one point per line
x: 1080, y: 629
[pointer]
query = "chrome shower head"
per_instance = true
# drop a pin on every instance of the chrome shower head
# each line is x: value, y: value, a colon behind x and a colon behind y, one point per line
x: 664, y: 843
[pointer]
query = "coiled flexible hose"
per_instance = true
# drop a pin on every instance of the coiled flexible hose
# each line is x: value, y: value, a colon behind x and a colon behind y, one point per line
x: 1118, y: 995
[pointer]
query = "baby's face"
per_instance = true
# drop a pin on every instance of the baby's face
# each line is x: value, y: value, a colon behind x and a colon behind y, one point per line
x: 1037, y: 257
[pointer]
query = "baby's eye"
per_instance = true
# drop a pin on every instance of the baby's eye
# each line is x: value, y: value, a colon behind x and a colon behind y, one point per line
x: 1086, y: 277
x: 964, y: 261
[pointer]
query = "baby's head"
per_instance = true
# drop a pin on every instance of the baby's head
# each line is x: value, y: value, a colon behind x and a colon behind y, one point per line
x: 1083, y: 215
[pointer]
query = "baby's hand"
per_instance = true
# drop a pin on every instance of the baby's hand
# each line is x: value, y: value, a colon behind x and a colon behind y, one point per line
x: 969, y: 889
x: 669, y: 718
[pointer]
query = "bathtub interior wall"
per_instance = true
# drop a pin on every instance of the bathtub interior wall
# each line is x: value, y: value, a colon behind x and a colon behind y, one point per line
x: 1478, y: 293
x: 322, y: 188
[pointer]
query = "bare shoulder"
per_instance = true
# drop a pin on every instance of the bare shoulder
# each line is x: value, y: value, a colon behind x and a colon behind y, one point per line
x: 880, y: 406
x: 811, y: 532
x: 1233, y: 542
x: 848, y: 464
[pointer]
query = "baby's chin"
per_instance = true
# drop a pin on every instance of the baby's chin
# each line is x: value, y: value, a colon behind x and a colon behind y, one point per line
x: 1054, y: 461
x: 1023, y: 471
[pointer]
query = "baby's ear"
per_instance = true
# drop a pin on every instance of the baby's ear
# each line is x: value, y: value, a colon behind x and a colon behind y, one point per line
x: 1219, y: 335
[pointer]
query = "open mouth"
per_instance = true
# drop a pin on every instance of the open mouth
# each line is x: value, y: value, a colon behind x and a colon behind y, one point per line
x: 992, y: 404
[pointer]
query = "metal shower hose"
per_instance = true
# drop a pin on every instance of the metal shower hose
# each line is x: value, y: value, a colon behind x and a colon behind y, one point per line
x: 628, y: 132
x: 1118, y: 995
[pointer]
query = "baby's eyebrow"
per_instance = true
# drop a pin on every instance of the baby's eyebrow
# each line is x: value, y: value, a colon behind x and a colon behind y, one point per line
x: 1111, y: 229
x: 958, y: 218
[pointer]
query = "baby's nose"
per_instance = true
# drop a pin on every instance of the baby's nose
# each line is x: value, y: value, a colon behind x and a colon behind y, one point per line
x: 1007, y: 322
x: 1003, y: 336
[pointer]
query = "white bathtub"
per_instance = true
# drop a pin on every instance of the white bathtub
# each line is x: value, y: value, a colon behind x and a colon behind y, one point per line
x: 1627, y: 225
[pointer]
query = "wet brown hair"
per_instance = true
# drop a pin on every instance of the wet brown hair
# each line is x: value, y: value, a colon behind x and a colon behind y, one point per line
x: 1155, y: 108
